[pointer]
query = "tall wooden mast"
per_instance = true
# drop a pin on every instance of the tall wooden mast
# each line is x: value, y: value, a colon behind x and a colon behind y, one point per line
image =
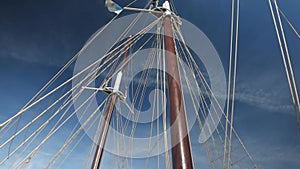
x: 107, y: 115
x: 181, y: 152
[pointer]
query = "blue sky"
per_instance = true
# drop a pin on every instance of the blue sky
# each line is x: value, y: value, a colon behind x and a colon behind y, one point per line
x: 38, y: 37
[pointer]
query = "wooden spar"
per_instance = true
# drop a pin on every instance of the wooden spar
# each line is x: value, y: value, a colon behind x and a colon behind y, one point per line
x: 103, y: 133
x: 181, y: 152
x: 107, y: 118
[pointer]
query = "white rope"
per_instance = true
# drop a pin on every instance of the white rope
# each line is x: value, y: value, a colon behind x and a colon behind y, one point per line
x: 50, y: 134
x: 43, y: 113
x: 155, y: 102
x: 234, y: 81
x: 204, y: 105
x: 282, y: 52
x: 69, y: 80
x: 288, y: 68
x: 196, y: 103
x: 219, y: 135
x: 229, y: 81
x: 30, y: 104
x: 49, y: 119
x: 289, y: 22
x: 86, y: 108
x: 208, y: 90
x: 47, y: 122
x: 297, y: 108
x: 174, y: 24
x: 48, y: 108
x: 66, y: 144
x: 37, y: 101
x: 193, y: 92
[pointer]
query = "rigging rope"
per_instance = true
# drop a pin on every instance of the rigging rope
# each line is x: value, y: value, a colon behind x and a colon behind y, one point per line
x: 208, y: 90
x: 48, y: 108
x: 286, y: 56
x: 234, y: 81
x: 93, y: 74
x: 289, y: 22
x: 34, y: 151
x: 229, y: 81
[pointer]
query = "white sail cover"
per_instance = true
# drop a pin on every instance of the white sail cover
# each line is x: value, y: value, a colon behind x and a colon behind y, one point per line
x: 113, y: 7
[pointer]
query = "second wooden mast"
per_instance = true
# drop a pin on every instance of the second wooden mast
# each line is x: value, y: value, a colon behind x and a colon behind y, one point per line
x: 181, y: 151
x: 107, y: 114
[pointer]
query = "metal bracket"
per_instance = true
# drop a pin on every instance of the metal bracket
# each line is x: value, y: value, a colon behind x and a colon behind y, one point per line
x: 109, y: 91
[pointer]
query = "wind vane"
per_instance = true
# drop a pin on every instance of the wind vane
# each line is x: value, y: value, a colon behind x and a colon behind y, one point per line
x: 113, y: 7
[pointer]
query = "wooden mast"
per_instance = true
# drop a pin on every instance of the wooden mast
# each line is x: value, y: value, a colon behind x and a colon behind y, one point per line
x: 103, y: 133
x: 181, y: 152
x: 107, y: 116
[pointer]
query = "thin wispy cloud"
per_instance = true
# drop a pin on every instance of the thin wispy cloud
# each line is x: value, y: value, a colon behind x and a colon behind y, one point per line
x: 268, y: 100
